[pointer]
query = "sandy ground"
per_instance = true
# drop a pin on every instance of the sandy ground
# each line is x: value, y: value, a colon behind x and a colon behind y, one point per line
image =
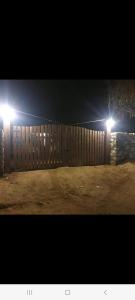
x: 71, y: 190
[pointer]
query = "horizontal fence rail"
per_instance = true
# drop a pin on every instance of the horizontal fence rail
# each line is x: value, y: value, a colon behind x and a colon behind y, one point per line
x: 50, y: 146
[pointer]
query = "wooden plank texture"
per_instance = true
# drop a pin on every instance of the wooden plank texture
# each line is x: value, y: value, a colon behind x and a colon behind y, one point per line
x: 55, y: 145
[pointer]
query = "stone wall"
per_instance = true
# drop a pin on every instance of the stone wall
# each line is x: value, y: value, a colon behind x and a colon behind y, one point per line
x: 122, y: 147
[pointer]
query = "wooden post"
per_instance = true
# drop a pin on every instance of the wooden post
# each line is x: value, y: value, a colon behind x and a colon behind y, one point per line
x: 1, y: 152
x: 7, y: 146
x: 107, y: 146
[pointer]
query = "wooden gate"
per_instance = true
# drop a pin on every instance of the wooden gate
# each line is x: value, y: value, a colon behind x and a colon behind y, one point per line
x: 50, y: 146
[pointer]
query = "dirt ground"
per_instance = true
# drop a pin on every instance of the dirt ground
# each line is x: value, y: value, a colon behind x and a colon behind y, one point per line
x: 70, y: 190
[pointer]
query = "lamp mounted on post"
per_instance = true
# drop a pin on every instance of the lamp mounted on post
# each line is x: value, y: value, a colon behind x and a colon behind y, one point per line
x: 7, y: 114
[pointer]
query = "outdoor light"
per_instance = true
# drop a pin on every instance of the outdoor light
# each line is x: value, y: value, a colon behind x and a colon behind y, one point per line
x: 109, y: 124
x: 7, y: 113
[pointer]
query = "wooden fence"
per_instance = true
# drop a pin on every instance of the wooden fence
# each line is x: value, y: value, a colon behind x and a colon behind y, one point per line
x: 50, y: 146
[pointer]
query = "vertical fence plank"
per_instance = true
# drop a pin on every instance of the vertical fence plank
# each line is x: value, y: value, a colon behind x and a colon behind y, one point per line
x: 86, y: 151
x: 38, y: 146
x: 49, y: 131
x: 7, y: 146
x: 79, y: 145
x: 47, y: 146
x: 58, y: 142
x: 99, y: 140
x: 14, y: 148
x: 37, y: 150
x: 84, y: 145
x: 94, y: 134
x: 71, y: 146
x: 42, y: 145
x: 34, y: 148
x: 103, y: 147
x: 26, y: 148
x: 68, y: 146
x: 99, y: 158
x: 18, y: 147
x: 18, y: 135
x: 52, y: 146
x: 23, y: 148
x: 90, y: 138
x: 56, y: 145
x: 30, y: 149
x: 1, y: 152
x: 64, y: 149
x: 72, y: 143
x: 89, y: 148
x: 40, y: 141
x: 93, y: 156
x: 97, y: 147
x: 60, y: 145
x: 49, y: 165
x: 63, y: 144
x: 76, y: 145
x: 99, y: 152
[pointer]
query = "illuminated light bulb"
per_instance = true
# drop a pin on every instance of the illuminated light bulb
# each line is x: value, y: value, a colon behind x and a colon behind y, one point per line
x: 7, y: 113
x: 109, y: 124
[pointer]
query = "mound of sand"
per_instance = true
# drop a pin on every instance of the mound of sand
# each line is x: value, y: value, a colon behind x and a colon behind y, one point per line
x: 74, y: 190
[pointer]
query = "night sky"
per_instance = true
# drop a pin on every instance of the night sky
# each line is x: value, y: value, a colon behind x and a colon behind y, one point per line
x: 65, y: 101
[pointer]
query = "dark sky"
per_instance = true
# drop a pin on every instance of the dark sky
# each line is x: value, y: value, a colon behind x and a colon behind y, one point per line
x: 60, y: 100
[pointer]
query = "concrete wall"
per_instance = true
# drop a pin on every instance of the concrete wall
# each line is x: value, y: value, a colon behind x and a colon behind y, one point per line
x: 122, y: 147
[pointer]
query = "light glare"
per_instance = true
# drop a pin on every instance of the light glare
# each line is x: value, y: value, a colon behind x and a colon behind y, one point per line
x: 7, y: 113
x: 109, y: 124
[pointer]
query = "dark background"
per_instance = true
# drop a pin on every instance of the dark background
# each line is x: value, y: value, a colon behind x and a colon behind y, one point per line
x: 66, y: 101
x: 63, y: 101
